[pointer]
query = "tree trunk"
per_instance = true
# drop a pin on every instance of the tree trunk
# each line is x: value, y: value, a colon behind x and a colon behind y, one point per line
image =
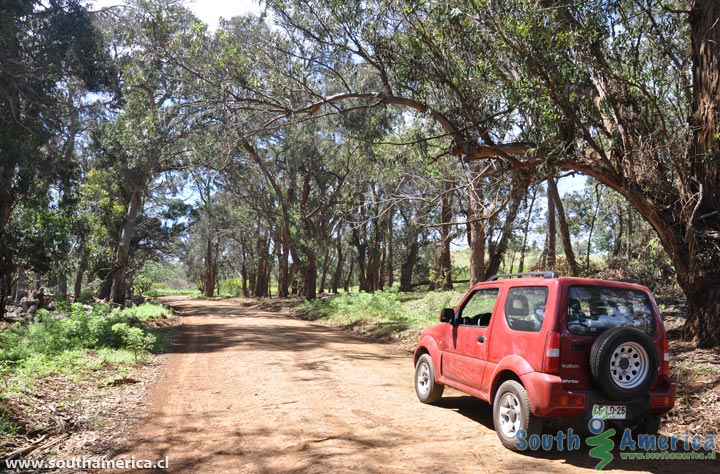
x: 20, y: 286
x: 498, y: 252
x: 550, y: 237
x: 262, y: 271
x: 699, y: 264
x: 592, y: 226
x: 361, y: 257
x: 122, y: 259
x: 283, y: 246
x: 209, y: 283
x: 346, y: 285
x: 77, y: 288
x: 477, y: 235
x: 443, y: 262
x: 337, y: 275
x: 526, y: 230
x: 310, y: 278
x: 564, y: 229
x: 629, y: 235
x: 390, y: 264
x: 62, y: 286
x: 325, y: 269
x: 619, y: 232
x: 408, y: 265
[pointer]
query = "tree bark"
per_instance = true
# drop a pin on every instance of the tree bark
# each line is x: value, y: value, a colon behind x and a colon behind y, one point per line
x: 498, y: 252
x: 526, y: 230
x: 337, y: 275
x: 699, y: 270
x: 210, y: 267
x: 346, y: 285
x: 122, y: 259
x: 408, y: 265
x: 325, y: 269
x: 390, y: 257
x: 443, y: 262
x: 476, y: 236
x: 20, y: 286
x: 592, y: 226
x: 550, y: 237
x: 564, y: 229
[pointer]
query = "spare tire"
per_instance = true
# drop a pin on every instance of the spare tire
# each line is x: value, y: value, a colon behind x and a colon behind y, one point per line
x: 624, y: 362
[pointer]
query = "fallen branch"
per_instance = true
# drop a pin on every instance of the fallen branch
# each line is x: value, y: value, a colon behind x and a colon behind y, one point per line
x: 22, y: 451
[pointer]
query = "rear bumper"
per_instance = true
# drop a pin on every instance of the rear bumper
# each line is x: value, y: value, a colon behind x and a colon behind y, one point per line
x: 550, y: 399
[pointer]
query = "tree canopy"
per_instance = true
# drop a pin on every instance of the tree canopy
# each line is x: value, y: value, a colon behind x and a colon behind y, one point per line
x: 328, y: 145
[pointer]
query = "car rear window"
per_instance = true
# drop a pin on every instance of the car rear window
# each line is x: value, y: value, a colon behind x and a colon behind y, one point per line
x: 525, y: 308
x: 593, y: 309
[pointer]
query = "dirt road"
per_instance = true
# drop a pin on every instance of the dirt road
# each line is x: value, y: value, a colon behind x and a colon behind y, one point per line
x: 247, y: 391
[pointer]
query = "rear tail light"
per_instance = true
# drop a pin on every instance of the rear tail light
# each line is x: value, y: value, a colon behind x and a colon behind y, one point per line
x: 661, y: 401
x: 572, y: 400
x: 665, y: 363
x: 551, y: 356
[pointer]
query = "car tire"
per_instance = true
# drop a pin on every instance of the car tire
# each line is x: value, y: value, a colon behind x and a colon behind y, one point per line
x: 623, y: 362
x: 426, y: 388
x: 511, y: 413
x: 648, y: 425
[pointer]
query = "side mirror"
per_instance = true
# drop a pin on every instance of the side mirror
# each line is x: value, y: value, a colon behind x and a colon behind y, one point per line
x: 447, y: 315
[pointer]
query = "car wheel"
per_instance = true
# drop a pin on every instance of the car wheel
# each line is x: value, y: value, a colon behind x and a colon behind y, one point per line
x: 623, y: 362
x: 511, y: 413
x: 649, y: 425
x: 427, y: 389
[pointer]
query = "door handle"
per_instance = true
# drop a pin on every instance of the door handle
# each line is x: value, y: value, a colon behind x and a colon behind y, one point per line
x: 481, y: 338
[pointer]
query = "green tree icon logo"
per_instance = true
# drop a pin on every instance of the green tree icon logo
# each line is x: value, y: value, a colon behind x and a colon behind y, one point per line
x: 602, y: 442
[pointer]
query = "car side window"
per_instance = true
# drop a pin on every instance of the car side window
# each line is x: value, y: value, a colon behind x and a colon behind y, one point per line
x: 525, y: 308
x: 477, y: 310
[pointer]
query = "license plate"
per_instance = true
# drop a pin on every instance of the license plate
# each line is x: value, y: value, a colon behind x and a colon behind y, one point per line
x: 609, y: 412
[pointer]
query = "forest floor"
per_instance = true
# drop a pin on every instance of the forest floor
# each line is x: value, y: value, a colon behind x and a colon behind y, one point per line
x: 247, y: 387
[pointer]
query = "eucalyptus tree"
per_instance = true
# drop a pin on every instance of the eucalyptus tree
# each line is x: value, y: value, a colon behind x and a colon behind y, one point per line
x: 146, y: 132
x: 42, y: 46
x: 604, y: 88
x: 617, y: 97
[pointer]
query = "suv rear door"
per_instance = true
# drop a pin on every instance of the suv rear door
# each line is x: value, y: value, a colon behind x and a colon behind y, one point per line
x: 588, y: 311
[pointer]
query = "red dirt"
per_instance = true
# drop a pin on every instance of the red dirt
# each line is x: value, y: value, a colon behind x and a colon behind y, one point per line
x: 249, y: 391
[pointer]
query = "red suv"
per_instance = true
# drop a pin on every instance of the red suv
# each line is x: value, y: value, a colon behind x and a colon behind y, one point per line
x: 549, y: 347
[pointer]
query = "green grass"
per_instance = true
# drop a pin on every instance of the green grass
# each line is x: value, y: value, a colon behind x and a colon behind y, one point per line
x: 158, y: 292
x: 75, y: 344
x: 383, y: 313
x: 149, y: 310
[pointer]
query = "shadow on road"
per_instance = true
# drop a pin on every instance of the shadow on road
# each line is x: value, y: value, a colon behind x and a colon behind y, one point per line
x: 481, y: 413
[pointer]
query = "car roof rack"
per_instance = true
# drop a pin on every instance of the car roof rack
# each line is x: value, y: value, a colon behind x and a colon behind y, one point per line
x: 626, y: 280
x: 524, y: 274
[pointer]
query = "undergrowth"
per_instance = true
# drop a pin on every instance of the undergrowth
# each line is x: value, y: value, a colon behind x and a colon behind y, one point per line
x: 386, y: 313
x: 75, y: 343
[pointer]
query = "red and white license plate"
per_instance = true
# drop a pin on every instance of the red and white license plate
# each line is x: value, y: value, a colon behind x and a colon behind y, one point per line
x: 609, y: 412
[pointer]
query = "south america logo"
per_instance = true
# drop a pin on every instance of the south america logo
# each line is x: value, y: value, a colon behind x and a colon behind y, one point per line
x: 602, y: 442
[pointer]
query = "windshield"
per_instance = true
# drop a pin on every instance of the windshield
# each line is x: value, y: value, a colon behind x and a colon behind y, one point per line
x: 592, y: 310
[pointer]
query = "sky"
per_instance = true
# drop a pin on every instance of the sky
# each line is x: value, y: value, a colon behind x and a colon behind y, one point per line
x: 209, y: 11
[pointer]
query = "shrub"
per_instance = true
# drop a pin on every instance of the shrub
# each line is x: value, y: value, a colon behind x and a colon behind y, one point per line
x: 85, y: 297
x: 232, y: 287
x: 52, y: 335
x: 134, y: 338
